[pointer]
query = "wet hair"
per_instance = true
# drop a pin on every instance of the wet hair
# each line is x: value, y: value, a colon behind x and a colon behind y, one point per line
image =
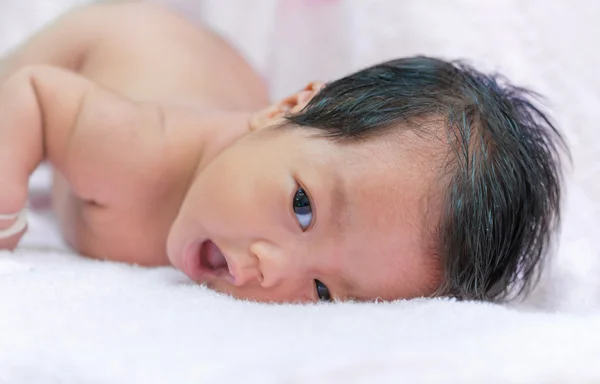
x: 502, y: 176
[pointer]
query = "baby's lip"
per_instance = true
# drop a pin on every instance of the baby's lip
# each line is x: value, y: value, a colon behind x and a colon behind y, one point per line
x: 197, y: 266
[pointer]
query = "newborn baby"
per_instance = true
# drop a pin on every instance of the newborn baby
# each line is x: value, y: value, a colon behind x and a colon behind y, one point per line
x: 414, y: 177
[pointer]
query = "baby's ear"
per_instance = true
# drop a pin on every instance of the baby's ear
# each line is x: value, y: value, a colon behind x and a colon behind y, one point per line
x: 275, y: 113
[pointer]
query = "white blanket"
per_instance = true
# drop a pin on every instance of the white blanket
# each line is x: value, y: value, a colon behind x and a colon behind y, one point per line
x: 66, y: 319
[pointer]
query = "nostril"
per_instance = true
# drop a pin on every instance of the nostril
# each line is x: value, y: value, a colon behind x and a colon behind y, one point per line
x: 271, y: 279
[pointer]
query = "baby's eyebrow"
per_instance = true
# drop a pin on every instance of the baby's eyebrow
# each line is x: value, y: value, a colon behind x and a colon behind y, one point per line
x: 338, y: 207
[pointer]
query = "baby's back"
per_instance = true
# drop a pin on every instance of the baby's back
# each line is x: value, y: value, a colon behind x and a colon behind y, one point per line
x: 151, y: 54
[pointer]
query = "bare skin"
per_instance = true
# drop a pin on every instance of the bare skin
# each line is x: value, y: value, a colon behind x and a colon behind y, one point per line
x: 180, y: 86
x: 162, y: 141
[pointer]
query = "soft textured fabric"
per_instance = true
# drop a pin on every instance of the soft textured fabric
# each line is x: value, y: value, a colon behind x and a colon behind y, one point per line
x: 66, y: 319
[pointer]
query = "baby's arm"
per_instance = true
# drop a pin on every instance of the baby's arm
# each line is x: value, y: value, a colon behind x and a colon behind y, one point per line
x: 24, y: 104
x: 30, y: 117
x: 55, y: 114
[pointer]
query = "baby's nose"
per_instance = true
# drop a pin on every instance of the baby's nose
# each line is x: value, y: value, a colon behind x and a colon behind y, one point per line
x: 274, y: 264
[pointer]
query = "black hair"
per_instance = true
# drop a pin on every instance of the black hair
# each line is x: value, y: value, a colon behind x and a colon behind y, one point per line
x: 502, y: 178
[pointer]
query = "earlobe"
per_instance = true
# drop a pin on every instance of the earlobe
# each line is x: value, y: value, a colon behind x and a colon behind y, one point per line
x: 276, y: 113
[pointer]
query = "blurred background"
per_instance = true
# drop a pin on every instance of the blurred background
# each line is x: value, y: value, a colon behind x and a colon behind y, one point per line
x: 549, y: 46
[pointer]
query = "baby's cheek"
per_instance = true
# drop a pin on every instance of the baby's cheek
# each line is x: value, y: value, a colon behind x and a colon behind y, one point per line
x: 237, y: 193
x: 215, y: 204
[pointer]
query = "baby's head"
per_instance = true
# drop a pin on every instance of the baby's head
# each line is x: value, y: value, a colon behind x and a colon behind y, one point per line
x: 415, y: 177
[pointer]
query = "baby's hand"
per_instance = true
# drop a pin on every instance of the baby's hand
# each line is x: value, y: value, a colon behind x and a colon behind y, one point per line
x: 21, y: 150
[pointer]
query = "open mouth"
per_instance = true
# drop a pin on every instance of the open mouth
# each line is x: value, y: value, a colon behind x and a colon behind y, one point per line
x: 211, y: 256
x: 205, y: 260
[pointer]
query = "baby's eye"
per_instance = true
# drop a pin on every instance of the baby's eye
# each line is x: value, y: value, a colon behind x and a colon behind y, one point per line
x: 322, y: 291
x: 302, y: 208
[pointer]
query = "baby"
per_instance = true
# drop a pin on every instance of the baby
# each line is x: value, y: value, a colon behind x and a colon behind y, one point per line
x: 414, y: 177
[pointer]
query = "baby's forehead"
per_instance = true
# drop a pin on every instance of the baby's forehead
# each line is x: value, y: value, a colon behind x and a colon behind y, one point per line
x: 395, y: 182
x: 401, y: 154
x: 426, y: 137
